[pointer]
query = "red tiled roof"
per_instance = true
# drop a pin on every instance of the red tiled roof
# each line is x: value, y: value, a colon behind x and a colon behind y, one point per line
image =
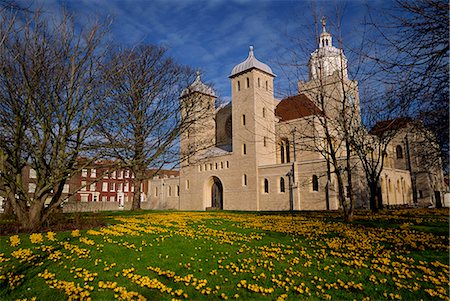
x: 297, y: 106
x: 390, y: 125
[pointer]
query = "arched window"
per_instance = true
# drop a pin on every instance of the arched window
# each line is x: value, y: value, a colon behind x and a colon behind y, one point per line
x: 315, y: 183
x: 326, y: 42
x: 282, y: 186
x: 248, y: 82
x: 399, y: 152
x: 284, y: 151
x: 239, y: 86
x: 244, y: 149
x: 244, y: 180
x: 178, y: 190
x: 243, y: 119
x: 169, y: 190
x: 228, y: 164
x: 266, y: 186
x: 323, y: 43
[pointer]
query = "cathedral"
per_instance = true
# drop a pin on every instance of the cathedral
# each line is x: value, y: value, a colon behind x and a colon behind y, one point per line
x: 261, y: 154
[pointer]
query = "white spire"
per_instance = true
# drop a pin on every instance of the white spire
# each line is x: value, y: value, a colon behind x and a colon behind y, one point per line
x: 324, y: 23
x: 326, y: 59
x: 325, y: 38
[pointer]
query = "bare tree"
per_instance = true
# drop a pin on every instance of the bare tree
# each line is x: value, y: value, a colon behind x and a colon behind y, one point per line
x: 415, y: 62
x: 336, y: 96
x: 50, y: 95
x: 143, y: 120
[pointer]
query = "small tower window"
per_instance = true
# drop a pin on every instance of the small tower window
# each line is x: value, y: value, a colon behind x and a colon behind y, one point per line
x: 248, y: 82
x: 228, y: 164
x: 282, y: 185
x: 178, y: 190
x: 259, y: 84
x: 265, y: 141
x: 239, y: 86
x: 264, y: 112
x: 399, y: 152
x: 187, y: 184
x: 221, y: 165
x: 266, y: 186
x: 267, y: 86
x: 244, y: 149
x: 243, y: 119
x: 326, y: 42
x: 315, y: 183
x: 244, y: 180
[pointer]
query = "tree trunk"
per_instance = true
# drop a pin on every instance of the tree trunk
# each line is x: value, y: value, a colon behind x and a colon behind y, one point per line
x: 349, y: 182
x: 7, y: 207
x: 30, y: 218
x: 137, y: 183
x: 373, y: 197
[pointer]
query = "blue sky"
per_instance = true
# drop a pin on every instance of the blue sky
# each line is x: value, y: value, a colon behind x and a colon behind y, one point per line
x: 213, y: 36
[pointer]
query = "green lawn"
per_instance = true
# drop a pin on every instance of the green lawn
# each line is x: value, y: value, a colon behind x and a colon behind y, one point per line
x: 393, y: 255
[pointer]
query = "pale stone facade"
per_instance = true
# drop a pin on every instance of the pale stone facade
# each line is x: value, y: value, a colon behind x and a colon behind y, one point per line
x: 245, y: 156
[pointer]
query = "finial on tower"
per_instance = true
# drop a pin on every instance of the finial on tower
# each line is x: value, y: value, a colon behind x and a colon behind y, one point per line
x: 251, y: 51
x: 324, y: 23
x: 197, y: 76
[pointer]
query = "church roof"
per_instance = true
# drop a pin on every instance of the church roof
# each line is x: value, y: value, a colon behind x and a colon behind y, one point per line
x: 297, y: 106
x: 213, y: 152
x: 390, y: 125
x: 251, y: 63
x: 198, y: 86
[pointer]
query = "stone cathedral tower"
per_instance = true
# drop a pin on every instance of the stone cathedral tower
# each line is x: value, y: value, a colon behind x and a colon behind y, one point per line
x: 329, y: 86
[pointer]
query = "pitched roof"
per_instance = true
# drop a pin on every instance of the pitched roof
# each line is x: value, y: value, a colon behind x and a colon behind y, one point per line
x: 297, y: 106
x: 390, y: 125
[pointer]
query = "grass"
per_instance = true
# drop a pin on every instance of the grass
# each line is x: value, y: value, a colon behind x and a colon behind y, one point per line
x: 394, y: 255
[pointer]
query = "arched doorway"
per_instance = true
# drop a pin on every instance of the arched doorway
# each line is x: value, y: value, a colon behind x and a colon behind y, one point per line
x: 213, y: 194
x: 216, y: 194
